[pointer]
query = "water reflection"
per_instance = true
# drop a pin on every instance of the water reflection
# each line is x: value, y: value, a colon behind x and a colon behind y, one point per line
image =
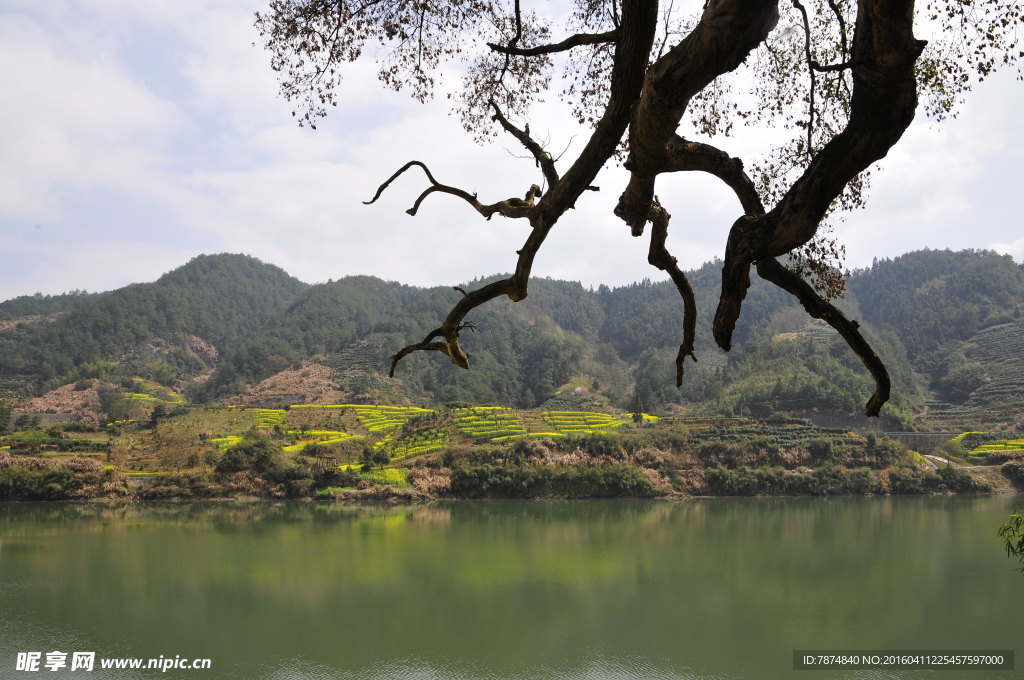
x: 642, y: 589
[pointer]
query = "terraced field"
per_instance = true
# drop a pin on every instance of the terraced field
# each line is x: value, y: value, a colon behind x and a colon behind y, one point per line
x: 999, y: 446
x: 13, y: 387
x: 981, y: 444
x: 581, y: 422
x: 387, y: 418
x: 1000, y: 349
x: 386, y: 428
x: 223, y: 443
x: 365, y: 356
x: 389, y: 476
x: 322, y: 437
x: 376, y: 420
x: 416, y: 444
x: 495, y: 423
x: 784, y: 434
x: 404, y: 432
x: 152, y: 392
x: 267, y: 418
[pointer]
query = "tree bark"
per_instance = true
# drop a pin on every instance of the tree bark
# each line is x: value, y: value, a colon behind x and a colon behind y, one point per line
x: 882, y: 107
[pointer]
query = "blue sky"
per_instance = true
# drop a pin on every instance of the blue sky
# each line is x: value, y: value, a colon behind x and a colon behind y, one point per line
x: 137, y: 135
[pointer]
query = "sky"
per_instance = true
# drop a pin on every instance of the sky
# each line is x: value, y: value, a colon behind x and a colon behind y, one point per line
x: 137, y: 135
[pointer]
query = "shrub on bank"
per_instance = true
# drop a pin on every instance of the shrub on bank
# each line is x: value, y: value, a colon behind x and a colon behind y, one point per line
x: 956, y: 480
x: 609, y: 444
x: 258, y: 455
x: 35, y: 478
x: 997, y: 457
x: 192, y: 484
x: 606, y: 481
x: 53, y: 484
x: 830, y: 479
x: 295, y: 479
x: 265, y: 458
x: 1014, y: 471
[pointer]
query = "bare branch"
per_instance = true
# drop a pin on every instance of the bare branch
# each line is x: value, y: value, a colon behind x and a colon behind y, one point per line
x: 833, y: 67
x: 511, y: 207
x: 632, y: 49
x: 724, y: 37
x: 454, y: 324
x: 419, y: 40
x: 770, y: 269
x: 513, y: 41
x: 664, y: 39
x: 684, y: 155
x: 639, y: 22
x: 519, y: 26
x: 428, y: 344
x: 659, y: 257
x: 814, y: 79
x: 567, y: 44
x: 540, y: 156
x: 409, y: 349
x: 838, y: 12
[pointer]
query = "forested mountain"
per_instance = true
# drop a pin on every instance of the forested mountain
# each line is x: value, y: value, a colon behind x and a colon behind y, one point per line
x: 960, y: 316
x: 944, y: 322
x: 215, y: 298
x: 932, y: 297
x: 356, y: 323
x: 40, y: 305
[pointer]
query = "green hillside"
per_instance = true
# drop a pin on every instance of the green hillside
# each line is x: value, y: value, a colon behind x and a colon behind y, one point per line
x: 41, y: 307
x: 947, y: 325
x: 218, y: 299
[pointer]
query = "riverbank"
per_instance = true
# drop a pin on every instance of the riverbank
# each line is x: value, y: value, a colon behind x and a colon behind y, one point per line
x: 364, y: 452
x: 532, y: 477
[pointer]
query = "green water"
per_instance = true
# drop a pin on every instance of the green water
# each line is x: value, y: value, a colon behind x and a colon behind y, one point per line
x: 717, y: 588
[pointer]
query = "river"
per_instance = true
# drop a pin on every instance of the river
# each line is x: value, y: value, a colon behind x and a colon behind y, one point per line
x: 704, y: 588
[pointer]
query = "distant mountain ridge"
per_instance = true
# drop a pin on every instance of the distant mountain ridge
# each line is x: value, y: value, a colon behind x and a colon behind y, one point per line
x: 219, y: 298
x: 944, y: 322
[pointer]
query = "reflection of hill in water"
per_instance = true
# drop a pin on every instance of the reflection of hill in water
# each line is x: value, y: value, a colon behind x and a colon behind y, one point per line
x: 649, y: 589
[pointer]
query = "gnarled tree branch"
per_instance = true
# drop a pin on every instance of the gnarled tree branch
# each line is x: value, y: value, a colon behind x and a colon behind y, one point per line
x: 686, y: 156
x: 771, y: 270
x: 563, y: 46
x: 882, y: 107
x: 417, y: 347
x: 727, y: 32
x: 511, y: 207
x: 682, y: 155
x: 428, y: 344
x: 542, y: 157
x: 309, y: 39
x: 660, y: 257
x: 639, y: 20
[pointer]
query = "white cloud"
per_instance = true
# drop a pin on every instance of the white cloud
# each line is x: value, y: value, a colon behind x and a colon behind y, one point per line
x: 949, y: 187
x: 157, y: 125
x: 1013, y: 248
x: 73, y: 123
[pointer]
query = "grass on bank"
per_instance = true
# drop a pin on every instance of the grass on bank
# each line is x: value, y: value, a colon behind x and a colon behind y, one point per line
x: 497, y: 451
